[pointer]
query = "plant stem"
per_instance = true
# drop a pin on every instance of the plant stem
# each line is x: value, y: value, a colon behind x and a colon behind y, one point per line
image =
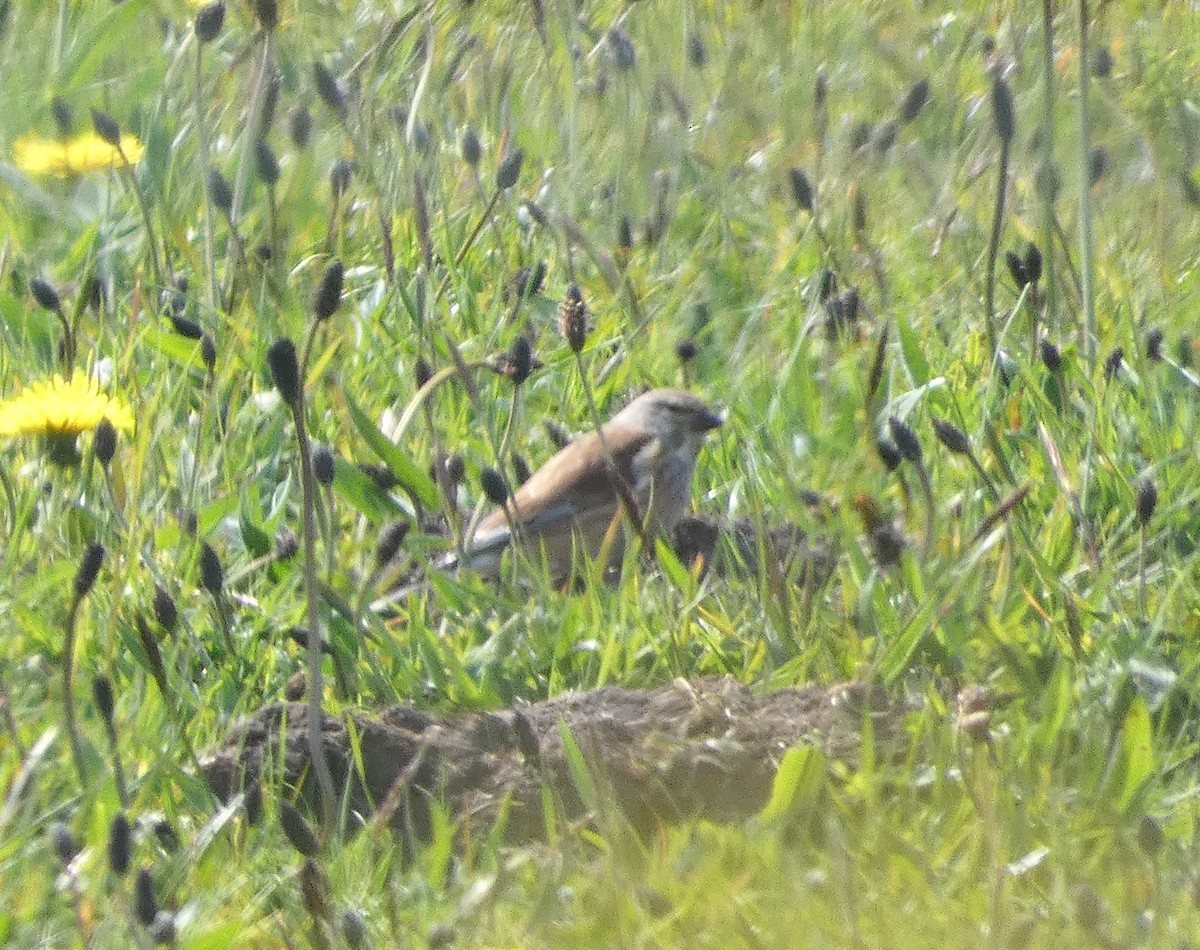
x: 69, y: 693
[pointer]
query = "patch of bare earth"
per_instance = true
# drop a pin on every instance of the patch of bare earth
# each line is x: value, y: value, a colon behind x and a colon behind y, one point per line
x: 707, y: 749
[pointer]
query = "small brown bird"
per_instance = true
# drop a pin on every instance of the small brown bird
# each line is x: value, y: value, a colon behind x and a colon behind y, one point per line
x: 573, y: 499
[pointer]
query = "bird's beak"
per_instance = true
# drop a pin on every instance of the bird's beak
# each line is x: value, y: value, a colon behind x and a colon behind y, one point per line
x: 709, y: 420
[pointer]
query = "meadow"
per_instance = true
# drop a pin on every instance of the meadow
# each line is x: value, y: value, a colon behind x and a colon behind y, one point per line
x: 936, y: 264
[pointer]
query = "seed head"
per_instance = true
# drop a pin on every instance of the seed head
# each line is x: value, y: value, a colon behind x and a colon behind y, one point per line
x: 340, y: 173
x: 219, y: 191
x: 104, y: 442
x: 329, y: 291
x: 314, y: 889
x: 573, y: 318
x: 323, y: 465
x: 120, y: 845
x: 1051, y: 356
x: 1033, y: 263
x: 820, y: 87
x: 1097, y: 163
x: 144, y: 902
x: 802, y: 190
x: 521, y: 469
x: 299, y: 832
x: 1016, y: 268
x: 208, y: 352
x: 952, y: 437
x: 1154, y: 345
x: 354, y: 928
x: 1003, y: 111
x: 1112, y: 363
x: 266, y: 162
x: 472, y: 150
x: 422, y: 372
x: 106, y: 127
x: 494, y: 486
x: 390, y: 541
x: 1147, y: 500
x: 209, y: 20
x: 164, y: 609
x: 914, y: 100
x: 1150, y: 836
x: 189, y: 329
x: 696, y: 53
x: 104, y: 698
x: 510, y: 170
x: 686, y: 350
x: 212, y: 574
x: 267, y: 12
x: 285, y: 370
x: 519, y: 362
x: 906, y: 440
x: 89, y: 569
x: 45, y: 294
x: 329, y: 89
x: 65, y: 845
x: 300, y: 125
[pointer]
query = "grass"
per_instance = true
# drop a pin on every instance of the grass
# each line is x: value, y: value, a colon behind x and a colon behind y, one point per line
x: 1072, y: 823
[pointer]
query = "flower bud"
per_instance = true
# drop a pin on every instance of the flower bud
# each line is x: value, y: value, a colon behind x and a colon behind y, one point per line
x: 285, y: 370
x: 89, y: 569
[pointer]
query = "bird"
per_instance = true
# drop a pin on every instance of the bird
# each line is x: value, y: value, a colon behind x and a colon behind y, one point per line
x: 646, y: 452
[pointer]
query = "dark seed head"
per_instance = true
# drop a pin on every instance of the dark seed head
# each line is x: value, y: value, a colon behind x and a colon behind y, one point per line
x: 285, y: 369
x: 104, y: 442
x: 89, y: 568
x: 104, y: 698
x: 314, y: 889
x: 696, y: 53
x: 621, y: 44
x: 914, y: 100
x: 219, y: 191
x: 494, y: 486
x: 299, y: 832
x: 1016, y: 268
x: 1097, y: 163
x: 422, y: 372
x: 885, y: 135
x: 888, y: 453
x: 888, y: 543
x: 456, y: 469
x: 520, y: 360
x: 266, y: 162
x: 144, y: 902
x: 300, y: 125
x: 686, y: 350
x: 802, y: 190
x: 1007, y: 367
x: 860, y: 135
x: 106, y: 127
x: 267, y: 12
x: 381, y: 475
x: 153, y: 652
x: 286, y: 544
x: 1051, y: 356
x: 340, y: 173
x: 952, y: 437
x: 390, y: 540
x: 64, y: 843
x: 1112, y: 362
x: 329, y: 291
x: 354, y: 928
x: 1154, y: 345
x: 472, y: 150
x: 323, y: 465
x: 820, y: 88
x: 208, y: 352
x: 1033, y: 263
x: 510, y: 170
x: 906, y: 440
x: 1003, y: 111
x: 209, y: 20
x: 1147, y: 500
x: 329, y: 89
x: 120, y: 845
x: 45, y: 294
x: 624, y: 234
x: 573, y: 318
x: 521, y: 468
x: 186, y: 328
x: 212, y: 574
x: 164, y: 609
x: 1102, y: 62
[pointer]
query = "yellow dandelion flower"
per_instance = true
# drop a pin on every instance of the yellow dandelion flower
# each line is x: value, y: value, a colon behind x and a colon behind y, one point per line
x: 58, y: 407
x: 36, y: 155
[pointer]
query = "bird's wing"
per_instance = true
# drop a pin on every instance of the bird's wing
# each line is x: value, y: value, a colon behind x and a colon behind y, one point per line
x: 574, y: 484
